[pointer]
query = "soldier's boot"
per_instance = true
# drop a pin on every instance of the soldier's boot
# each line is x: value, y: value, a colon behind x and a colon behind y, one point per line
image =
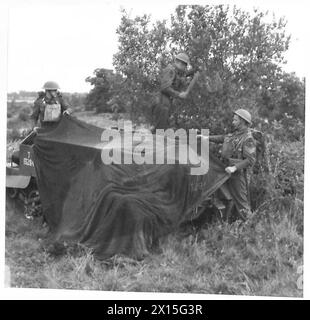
x: 219, y: 204
x: 220, y: 208
x: 228, y: 211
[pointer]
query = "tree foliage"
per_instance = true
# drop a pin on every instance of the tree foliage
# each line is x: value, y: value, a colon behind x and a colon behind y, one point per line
x: 101, y: 93
x: 240, y: 55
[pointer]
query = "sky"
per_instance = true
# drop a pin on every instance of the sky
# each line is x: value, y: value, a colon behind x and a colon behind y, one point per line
x: 67, y: 40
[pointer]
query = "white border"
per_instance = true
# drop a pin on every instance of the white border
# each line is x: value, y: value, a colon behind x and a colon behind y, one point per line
x: 38, y: 294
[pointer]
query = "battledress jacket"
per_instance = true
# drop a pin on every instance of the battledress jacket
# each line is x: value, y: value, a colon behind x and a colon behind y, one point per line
x: 172, y: 82
x: 238, y: 149
x: 48, y: 111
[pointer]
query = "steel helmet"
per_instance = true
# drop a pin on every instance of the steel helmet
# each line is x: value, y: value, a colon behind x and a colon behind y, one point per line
x: 51, y: 85
x: 183, y: 57
x: 244, y: 114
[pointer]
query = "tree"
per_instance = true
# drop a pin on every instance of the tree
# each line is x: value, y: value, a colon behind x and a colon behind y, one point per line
x: 240, y: 52
x: 101, y: 93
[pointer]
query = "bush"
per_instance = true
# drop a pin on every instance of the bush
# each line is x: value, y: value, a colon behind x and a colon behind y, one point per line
x: 13, y: 134
x: 24, y: 113
x: 282, y: 183
x: 23, y: 116
x: 288, y: 129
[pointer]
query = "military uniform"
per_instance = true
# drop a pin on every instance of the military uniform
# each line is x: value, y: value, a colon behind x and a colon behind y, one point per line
x: 238, y: 150
x: 48, y: 111
x: 171, y: 83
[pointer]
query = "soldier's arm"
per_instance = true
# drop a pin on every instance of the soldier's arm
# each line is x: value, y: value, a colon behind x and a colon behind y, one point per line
x: 190, y: 73
x: 249, y: 154
x: 64, y: 104
x: 217, y: 138
x: 194, y: 69
x: 36, y: 111
x: 171, y: 92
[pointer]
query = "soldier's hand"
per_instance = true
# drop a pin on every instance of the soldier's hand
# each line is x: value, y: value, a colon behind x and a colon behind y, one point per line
x: 231, y: 170
x: 183, y: 95
x: 202, y: 136
x: 35, y: 129
x: 67, y: 112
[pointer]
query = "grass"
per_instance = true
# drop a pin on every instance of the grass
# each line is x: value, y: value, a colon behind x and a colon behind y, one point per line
x: 102, y: 120
x: 257, y: 258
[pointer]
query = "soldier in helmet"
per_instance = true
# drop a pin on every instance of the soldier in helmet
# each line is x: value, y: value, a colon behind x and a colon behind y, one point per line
x: 49, y: 107
x: 172, y: 81
x: 238, y: 154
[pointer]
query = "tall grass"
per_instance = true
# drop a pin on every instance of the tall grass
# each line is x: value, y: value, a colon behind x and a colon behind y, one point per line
x: 259, y: 257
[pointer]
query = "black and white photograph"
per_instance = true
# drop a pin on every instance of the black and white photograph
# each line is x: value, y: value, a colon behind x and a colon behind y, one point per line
x: 155, y: 147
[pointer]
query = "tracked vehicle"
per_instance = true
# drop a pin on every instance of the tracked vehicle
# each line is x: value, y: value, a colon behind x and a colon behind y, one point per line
x: 21, y: 178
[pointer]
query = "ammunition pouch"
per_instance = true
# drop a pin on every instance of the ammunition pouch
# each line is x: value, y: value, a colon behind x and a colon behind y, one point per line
x: 52, y: 112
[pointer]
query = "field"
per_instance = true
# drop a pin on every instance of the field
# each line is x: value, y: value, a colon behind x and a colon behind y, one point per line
x: 262, y: 257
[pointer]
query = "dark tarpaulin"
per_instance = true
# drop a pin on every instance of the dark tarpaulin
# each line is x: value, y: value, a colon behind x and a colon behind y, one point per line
x: 112, y: 208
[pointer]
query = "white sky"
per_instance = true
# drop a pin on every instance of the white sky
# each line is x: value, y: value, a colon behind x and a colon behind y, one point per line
x: 66, y: 40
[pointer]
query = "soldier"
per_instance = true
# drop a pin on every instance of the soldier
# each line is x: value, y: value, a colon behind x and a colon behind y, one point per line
x: 238, y: 154
x: 172, y: 80
x: 49, y: 107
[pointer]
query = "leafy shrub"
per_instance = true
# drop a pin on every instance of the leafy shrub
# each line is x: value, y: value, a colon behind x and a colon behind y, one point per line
x: 23, y: 116
x: 283, y: 182
x: 24, y: 113
x: 13, y: 134
x: 288, y: 129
